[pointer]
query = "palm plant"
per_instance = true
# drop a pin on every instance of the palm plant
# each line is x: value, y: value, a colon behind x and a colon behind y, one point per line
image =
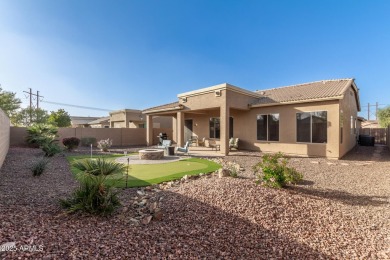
x: 40, y: 134
x: 94, y: 195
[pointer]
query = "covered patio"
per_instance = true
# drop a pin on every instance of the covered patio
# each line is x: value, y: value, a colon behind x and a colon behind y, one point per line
x: 212, y: 113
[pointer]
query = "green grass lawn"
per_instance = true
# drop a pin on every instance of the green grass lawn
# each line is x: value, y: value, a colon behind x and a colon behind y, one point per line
x: 147, y: 174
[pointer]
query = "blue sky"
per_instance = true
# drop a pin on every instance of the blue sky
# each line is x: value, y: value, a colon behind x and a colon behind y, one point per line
x: 138, y: 54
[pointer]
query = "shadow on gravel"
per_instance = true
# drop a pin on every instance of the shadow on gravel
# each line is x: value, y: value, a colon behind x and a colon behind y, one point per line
x: 342, y: 196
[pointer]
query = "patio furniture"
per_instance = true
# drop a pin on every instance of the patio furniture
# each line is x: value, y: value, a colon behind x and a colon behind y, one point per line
x: 183, y: 149
x: 165, y: 144
x: 170, y: 150
x: 193, y: 140
x: 213, y: 145
x: 162, y: 137
x: 233, y: 143
x: 202, y: 142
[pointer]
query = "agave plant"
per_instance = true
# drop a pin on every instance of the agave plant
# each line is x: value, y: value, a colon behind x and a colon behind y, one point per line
x: 94, y: 195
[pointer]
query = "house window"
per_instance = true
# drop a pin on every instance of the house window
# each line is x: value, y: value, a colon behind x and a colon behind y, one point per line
x: 215, y: 128
x: 312, y: 127
x: 141, y: 125
x: 353, y: 125
x: 268, y: 127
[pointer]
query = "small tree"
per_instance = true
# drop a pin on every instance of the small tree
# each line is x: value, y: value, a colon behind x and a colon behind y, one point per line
x: 60, y: 118
x: 9, y: 104
x: 29, y: 116
x: 384, y: 117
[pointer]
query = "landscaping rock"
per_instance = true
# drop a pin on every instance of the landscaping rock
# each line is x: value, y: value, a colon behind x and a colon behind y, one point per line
x: 153, y: 206
x: 338, y: 212
x: 158, y: 215
x: 223, y: 173
x: 146, y: 220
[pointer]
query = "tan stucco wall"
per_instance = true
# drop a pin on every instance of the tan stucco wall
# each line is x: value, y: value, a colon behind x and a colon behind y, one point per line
x: 349, y: 107
x: 287, y: 129
x: 4, y: 136
x: 120, y: 136
x: 245, y: 128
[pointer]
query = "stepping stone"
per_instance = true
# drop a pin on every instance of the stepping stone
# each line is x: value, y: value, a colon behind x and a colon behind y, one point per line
x: 330, y: 163
x: 315, y: 162
x: 345, y: 164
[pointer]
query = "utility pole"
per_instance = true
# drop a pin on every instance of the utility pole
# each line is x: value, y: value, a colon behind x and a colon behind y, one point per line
x: 376, y: 110
x: 368, y: 114
x: 30, y: 94
x: 31, y: 100
x: 38, y: 96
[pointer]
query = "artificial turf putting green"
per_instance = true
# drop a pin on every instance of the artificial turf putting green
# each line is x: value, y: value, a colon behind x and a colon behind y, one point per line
x: 147, y: 174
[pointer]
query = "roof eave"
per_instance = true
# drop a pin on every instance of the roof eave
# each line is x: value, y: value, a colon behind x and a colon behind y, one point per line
x: 296, y: 102
x: 179, y: 107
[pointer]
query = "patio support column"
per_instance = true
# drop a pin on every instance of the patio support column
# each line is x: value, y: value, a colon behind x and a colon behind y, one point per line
x: 180, y: 128
x: 224, y: 127
x: 149, y: 130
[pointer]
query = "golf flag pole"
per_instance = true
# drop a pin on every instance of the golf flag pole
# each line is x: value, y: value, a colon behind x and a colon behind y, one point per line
x: 127, y: 173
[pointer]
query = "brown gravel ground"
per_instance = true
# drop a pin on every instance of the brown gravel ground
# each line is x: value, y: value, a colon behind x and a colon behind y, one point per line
x: 340, y: 211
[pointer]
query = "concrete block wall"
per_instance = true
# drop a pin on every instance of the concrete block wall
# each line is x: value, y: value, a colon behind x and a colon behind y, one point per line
x: 119, y: 136
x: 4, y: 136
x: 388, y: 136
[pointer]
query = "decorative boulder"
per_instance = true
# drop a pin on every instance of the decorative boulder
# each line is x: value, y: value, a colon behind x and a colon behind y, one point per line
x: 223, y: 172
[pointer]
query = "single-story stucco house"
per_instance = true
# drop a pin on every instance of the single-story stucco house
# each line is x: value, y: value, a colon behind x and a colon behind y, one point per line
x: 311, y: 119
x: 133, y: 118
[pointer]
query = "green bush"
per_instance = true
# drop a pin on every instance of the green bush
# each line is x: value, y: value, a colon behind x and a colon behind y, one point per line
x: 273, y: 172
x: 39, y: 166
x: 71, y: 143
x: 94, y: 196
x: 87, y: 141
x: 40, y: 134
x: 50, y: 149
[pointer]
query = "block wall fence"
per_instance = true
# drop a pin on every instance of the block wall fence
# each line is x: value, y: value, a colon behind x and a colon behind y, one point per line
x: 4, y: 136
x: 119, y: 136
x: 388, y: 136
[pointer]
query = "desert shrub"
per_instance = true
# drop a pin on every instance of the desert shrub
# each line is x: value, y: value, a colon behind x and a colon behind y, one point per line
x: 232, y: 170
x: 71, y: 143
x: 273, y: 171
x: 39, y: 166
x: 93, y: 195
x: 40, y: 134
x: 50, y: 149
x: 104, y: 144
x: 87, y: 141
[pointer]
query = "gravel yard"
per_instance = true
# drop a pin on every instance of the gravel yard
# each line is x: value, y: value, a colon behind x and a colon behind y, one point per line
x: 340, y: 211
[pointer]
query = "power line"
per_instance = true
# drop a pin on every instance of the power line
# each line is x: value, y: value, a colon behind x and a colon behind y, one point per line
x: 31, y: 97
x: 70, y: 105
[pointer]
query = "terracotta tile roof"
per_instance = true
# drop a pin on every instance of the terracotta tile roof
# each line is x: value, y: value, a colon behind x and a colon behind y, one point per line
x: 303, y: 92
x: 165, y: 106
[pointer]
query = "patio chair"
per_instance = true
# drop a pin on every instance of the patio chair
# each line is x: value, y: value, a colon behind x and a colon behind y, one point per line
x: 193, y: 140
x: 202, y: 142
x: 213, y: 145
x: 183, y: 149
x: 165, y: 144
x: 233, y: 143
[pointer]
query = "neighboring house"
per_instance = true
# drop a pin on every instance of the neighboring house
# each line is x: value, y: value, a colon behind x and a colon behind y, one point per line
x: 370, y: 124
x: 311, y: 119
x: 81, y: 121
x: 103, y: 122
x: 132, y: 118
